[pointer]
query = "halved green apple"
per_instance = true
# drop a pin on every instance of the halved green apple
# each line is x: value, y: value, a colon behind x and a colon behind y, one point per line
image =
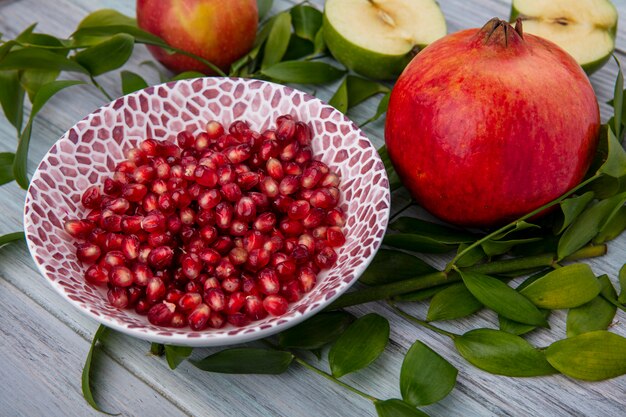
x: 378, y: 38
x: 584, y: 28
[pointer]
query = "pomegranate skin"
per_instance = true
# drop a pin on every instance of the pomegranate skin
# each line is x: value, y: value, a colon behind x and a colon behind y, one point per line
x: 486, y: 125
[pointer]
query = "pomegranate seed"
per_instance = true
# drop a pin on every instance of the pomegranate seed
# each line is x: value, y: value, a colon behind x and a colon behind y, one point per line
x: 161, y: 257
x: 118, y: 297
x: 238, y: 256
x: 226, y: 174
x: 120, y: 276
x: 112, y: 187
x: 134, y: 192
x: 335, y: 217
x: 303, y: 134
x: 326, y: 258
x: 247, y: 180
x: 97, y: 275
x: 202, y: 142
x: 300, y: 254
x: 223, y: 244
x: 238, y: 154
x: 291, y: 227
x: 187, y: 216
x: 113, y: 241
x: 286, y: 269
x: 178, y: 320
x: 91, y: 197
x: 275, y: 305
x: 260, y: 200
x: 323, y: 198
x: 275, y: 243
x: 307, y: 241
x: 181, y: 198
x: 320, y: 232
x: 142, y: 307
x: 112, y: 223
x: 290, y: 244
x: 282, y: 203
x: 257, y: 259
x: 291, y: 291
x: 290, y: 151
x: 166, y: 203
x: 199, y: 317
x: 235, y: 302
x: 98, y: 237
x: 94, y: 215
x: 298, y: 209
x: 254, y: 308
x: 245, y: 209
x: 114, y: 258
x: 161, y: 314
x: 150, y: 147
x: 191, y: 265
x: 144, y: 174
x: 268, y: 281
x: 130, y: 247
x: 238, y: 128
x: 88, y: 252
x: 216, y: 320
x: 310, y: 177
x: 174, y: 225
x: 214, y: 129
x: 335, y: 236
x: 190, y: 301
x: 231, y: 284
x: 330, y: 180
x: 215, y: 299
x: 155, y: 290
x: 286, y: 128
x: 134, y: 295
x: 269, y: 187
x: 142, y: 274
x: 269, y: 149
x: 185, y: 139
x: 321, y: 166
x: 150, y: 203
x: 289, y: 185
x: 79, y: 228
x: 307, y: 278
x: 223, y: 215
x: 231, y: 192
x: 205, y: 176
x: 265, y: 222
x: 194, y: 190
x: 304, y: 155
x: 125, y: 167
x: 225, y: 269
x: 253, y: 240
x: 173, y: 296
x: 238, y: 319
x: 162, y: 168
x: 274, y: 168
x: 292, y: 168
x: 208, y: 199
x: 154, y: 222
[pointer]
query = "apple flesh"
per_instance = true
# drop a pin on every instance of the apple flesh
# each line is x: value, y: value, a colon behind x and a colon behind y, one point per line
x: 486, y: 125
x: 216, y: 30
x: 378, y: 38
x: 586, y: 29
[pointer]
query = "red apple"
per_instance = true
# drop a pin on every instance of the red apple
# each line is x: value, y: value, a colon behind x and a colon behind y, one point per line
x: 217, y: 30
x: 486, y: 125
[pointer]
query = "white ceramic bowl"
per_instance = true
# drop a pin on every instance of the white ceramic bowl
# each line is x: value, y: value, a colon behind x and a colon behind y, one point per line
x: 89, y: 151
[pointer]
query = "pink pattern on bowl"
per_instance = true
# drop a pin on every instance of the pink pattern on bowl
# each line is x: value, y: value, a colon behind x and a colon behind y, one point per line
x: 89, y: 151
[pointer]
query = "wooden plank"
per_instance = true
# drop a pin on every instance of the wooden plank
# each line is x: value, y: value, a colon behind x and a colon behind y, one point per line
x: 297, y: 393
x: 41, y: 352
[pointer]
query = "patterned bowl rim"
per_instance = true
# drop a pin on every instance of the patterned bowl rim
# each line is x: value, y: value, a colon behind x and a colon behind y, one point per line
x: 256, y: 333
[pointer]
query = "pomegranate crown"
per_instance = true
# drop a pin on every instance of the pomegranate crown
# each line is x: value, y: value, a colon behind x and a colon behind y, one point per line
x: 500, y: 32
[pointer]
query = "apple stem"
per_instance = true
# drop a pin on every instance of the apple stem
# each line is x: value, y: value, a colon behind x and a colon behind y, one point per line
x: 452, y: 264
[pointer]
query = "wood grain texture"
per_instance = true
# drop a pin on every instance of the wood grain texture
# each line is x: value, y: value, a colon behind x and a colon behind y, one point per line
x: 44, y: 340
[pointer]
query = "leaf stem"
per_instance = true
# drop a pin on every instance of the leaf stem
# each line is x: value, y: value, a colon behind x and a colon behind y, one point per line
x: 99, y: 87
x: 382, y: 292
x: 209, y: 64
x: 333, y: 379
x: 422, y: 323
x: 511, y: 225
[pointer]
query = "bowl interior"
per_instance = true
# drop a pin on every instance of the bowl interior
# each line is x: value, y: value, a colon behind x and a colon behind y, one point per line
x: 89, y: 151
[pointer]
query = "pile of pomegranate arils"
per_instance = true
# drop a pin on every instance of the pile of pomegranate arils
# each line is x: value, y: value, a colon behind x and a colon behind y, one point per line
x: 226, y: 226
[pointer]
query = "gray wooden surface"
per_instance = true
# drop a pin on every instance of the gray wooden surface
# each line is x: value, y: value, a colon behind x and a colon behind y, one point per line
x: 43, y: 340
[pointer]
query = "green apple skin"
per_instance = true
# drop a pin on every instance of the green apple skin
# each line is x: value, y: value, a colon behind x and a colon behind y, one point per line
x: 589, y: 67
x: 362, y: 61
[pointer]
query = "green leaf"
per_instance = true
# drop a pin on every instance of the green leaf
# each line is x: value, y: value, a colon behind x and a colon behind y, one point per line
x: 246, y: 361
x: 499, y: 247
x: 360, y: 89
x: 264, y: 6
x: 106, y: 17
x: 21, y: 155
x: 567, y: 287
x: 454, y: 302
x: 421, y: 295
x: 596, y: 314
x: 514, y: 327
x: 6, y: 47
x: 589, y: 224
x: 397, y: 408
x: 298, y: 48
x: 425, y: 377
x: 106, y: 55
x: 572, y: 207
x: 86, y: 377
x: 6, y: 167
x: 380, y: 110
x: 340, y: 100
x: 12, y: 98
x: 394, y: 180
x: 157, y: 349
x: 35, y: 58
x: 391, y: 266
x: 97, y: 34
x: 307, y: 21
x: 416, y: 243
x: 615, y: 164
x: 622, y: 285
x: 618, y: 99
x: 316, y: 332
x: 502, y: 353
x: 319, y: 43
x: 175, y: 355
x: 503, y: 299
x: 187, y: 75
x: 438, y: 232
x: 11, y: 237
x: 132, y: 82
x: 519, y: 226
x: 593, y: 356
x: 303, y: 72
x: 33, y: 79
x: 359, y: 345
x: 613, y: 227
x: 470, y: 258
x: 277, y: 41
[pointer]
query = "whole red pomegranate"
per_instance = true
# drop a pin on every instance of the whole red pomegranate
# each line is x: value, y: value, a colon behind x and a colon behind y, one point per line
x: 488, y: 124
